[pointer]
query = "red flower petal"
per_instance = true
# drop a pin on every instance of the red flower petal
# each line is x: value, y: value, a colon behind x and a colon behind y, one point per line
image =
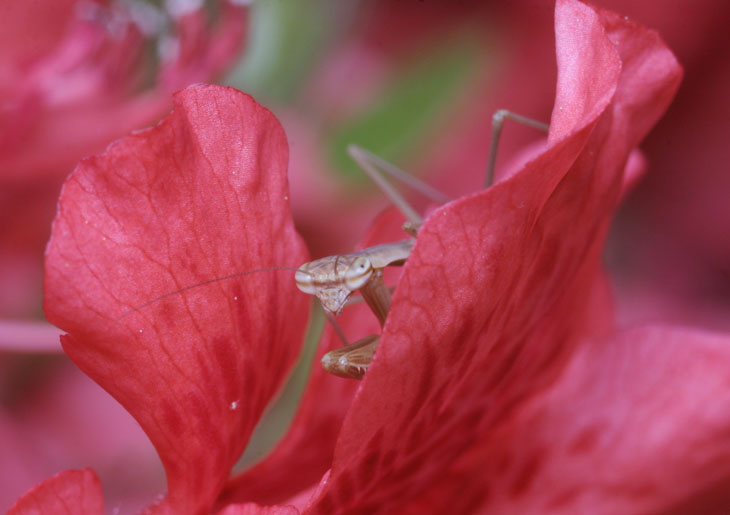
x: 636, y: 424
x: 494, y: 296
x: 202, y: 195
x: 73, y: 492
x: 632, y: 426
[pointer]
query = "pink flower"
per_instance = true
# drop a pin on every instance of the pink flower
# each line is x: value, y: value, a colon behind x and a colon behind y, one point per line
x: 89, y: 76
x: 500, y: 383
x: 75, y: 75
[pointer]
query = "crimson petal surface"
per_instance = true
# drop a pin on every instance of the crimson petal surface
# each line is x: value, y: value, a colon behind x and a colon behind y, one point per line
x: 201, y: 196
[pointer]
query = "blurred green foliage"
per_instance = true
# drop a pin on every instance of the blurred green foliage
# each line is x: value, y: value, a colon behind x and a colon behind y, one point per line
x: 289, y: 37
x: 405, y: 115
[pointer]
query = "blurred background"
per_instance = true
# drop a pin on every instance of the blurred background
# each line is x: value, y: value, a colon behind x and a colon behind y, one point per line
x: 414, y: 81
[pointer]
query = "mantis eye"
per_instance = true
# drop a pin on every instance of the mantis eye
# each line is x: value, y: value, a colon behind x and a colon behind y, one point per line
x: 304, y: 282
x: 358, y: 273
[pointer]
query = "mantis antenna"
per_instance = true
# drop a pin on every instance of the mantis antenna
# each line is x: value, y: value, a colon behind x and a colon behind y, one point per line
x: 370, y: 164
x: 138, y: 308
x: 373, y: 165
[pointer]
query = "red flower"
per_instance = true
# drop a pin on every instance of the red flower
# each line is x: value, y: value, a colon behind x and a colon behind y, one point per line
x: 499, y: 384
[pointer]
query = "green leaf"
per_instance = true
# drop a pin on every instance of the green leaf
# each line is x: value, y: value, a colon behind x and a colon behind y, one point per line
x: 287, y: 39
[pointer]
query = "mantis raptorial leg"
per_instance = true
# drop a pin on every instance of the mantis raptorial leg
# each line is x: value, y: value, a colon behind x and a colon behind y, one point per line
x: 334, y: 278
x: 351, y: 361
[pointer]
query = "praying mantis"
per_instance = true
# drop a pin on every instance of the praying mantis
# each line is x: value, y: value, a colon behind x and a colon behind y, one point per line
x: 334, y: 279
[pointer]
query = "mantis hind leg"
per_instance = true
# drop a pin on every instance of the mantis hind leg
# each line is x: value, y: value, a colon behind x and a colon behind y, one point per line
x: 374, y: 167
x: 498, y: 119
